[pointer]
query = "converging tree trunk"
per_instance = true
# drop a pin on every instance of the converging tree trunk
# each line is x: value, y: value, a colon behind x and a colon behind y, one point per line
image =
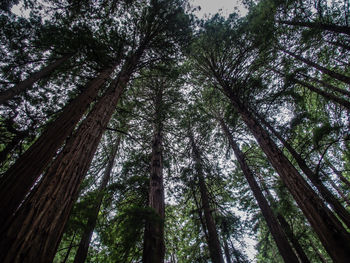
x: 325, y: 193
x: 17, y: 181
x: 324, y: 70
x: 85, y: 240
x: 332, y: 234
x: 319, y: 26
x: 154, y: 246
x: 36, y: 229
x: 27, y: 83
x: 213, y: 239
x: 275, y: 228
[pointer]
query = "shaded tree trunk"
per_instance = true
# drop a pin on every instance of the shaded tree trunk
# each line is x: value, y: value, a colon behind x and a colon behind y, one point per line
x: 27, y: 83
x: 275, y: 228
x: 332, y: 234
x: 324, y: 70
x: 339, y: 174
x: 154, y: 246
x: 84, y: 244
x: 36, y: 230
x: 69, y: 249
x: 18, y: 180
x: 227, y: 251
x: 319, y: 26
x: 325, y: 193
x: 213, y: 239
x: 339, y: 191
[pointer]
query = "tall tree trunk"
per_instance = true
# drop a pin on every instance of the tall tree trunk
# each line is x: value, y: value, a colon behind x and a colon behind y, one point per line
x: 154, y: 246
x: 18, y: 180
x: 27, y: 83
x: 69, y: 249
x: 85, y: 240
x: 325, y: 193
x: 338, y: 44
x: 227, y: 251
x: 324, y: 70
x: 20, y: 135
x: 339, y: 174
x: 339, y: 191
x: 320, y: 26
x: 318, y: 253
x: 332, y: 234
x: 213, y: 241
x: 275, y: 228
x: 36, y: 229
x: 326, y: 85
x: 284, y: 224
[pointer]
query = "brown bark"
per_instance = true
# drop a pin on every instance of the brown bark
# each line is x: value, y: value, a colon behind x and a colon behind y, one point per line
x: 213, y: 240
x: 154, y: 246
x: 320, y: 26
x: 17, y: 181
x: 85, y: 240
x: 275, y: 228
x: 34, y: 233
x: 332, y: 234
x: 324, y: 70
x: 27, y: 83
x: 325, y: 193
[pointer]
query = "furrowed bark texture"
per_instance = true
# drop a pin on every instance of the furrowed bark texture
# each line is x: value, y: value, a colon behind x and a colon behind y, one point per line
x: 85, y: 240
x: 323, y: 190
x: 154, y: 246
x: 213, y: 239
x: 275, y: 228
x: 18, y: 180
x: 332, y: 234
x: 27, y: 83
x: 35, y: 232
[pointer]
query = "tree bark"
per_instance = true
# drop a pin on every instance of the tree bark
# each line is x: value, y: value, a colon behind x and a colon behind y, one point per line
x: 332, y: 234
x: 324, y: 70
x: 85, y: 240
x: 27, y: 83
x: 325, y: 193
x: 18, y: 180
x: 213, y: 240
x: 320, y: 26
x: 34, y: 233
x: 154, y: 246
x: 275, y: 228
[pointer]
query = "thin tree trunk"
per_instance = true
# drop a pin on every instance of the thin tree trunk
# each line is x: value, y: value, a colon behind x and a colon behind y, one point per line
x: 339, y: 174
x: 18, y: 180
x: 227, y: 251
x: 275, y: 228
x: 340, y: 192
x: 34, y: 233
x: 327, y: 85
x: 338, y: 44
x: 12, y: 145
x: 325, y: 193
x: 213, y: 242
x: 27, y: 83
x: 332, y: 234
x: 154, y: 246
x: 84, y: 244
x: 320, y: 26
x: 324, y: 70
x: 318, y: 253
x: 69, y: 249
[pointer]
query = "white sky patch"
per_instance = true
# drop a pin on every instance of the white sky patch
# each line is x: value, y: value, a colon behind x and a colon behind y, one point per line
x: 224, y: 7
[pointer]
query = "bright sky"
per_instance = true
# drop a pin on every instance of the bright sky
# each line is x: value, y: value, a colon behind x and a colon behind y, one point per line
x: 225, y: 7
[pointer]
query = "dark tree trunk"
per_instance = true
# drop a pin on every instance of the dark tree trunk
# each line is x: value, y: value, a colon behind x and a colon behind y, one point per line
x: 339, y: 44
x: 69, y: 249
x: 327, y: 85
x: 18, y: 180
x: 227, y: 251
x: 324, y: 70
x: 339, y: 174
x: 325, y: 193
x: 284, y: 224
x: 339, y: 191
x: 319, y: 26
x: 19, y: 136
x: 332, y: 234
x: 84, y: 244
x: 275, y: 228
x: 154, y: 246
x: 36, y: 230
x: 27, y: 83
x: 213, y: 239
x: 318, y: 253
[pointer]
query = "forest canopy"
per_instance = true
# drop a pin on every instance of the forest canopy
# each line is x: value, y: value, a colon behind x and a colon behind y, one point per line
x: 134, y: 131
